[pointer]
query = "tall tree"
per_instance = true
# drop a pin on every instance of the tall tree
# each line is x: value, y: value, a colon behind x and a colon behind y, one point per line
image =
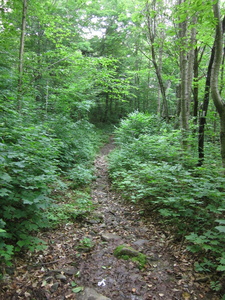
x: 204, y: 110
x: 187, y: 40
x: 21, y: 53
x: 151, y: 11
x: 217, y: 99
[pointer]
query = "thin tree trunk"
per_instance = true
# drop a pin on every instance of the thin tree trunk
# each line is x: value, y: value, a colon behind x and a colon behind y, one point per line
x: 46, y: 101
x: 161, y: 85
x: 184, y: 96
x: 204, y: 110
x: 21, y: 55
x: 190, y: 65
x: 151, y: 25
x: 106, y: 107
x: 187, y: 40
x: 197, y: 61
x: 218, y: 101
x: 195, y: 88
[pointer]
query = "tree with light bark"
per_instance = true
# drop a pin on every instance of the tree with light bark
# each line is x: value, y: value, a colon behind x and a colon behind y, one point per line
x: 215, y: 90
x: 21, y: 54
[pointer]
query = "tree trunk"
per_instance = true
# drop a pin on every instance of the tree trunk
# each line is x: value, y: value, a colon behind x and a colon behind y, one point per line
x: 106, y: 112
x: 21, y: 54
x: 219, y: 103
x: 184, y: 96
x: 161, y: 85
x: 152, y: 25
x: 204, y: 110
x: 187, y: 41
x: 195, y: 88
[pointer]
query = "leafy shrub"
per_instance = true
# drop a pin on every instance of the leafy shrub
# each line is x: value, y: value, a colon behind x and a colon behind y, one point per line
x: 136, y: 124
x: 31, y: 159
x: 81, y: 174
x: 79, y: 141
x: 28, y: 166
x: 79, y: 204
x: 151, y: 169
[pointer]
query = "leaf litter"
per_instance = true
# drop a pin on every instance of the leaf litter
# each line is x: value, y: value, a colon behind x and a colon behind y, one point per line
x: 80, y: 254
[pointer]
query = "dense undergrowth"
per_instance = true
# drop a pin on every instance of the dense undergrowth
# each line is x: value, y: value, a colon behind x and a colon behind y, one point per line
x: 150, y: 168
x: 39, y: 162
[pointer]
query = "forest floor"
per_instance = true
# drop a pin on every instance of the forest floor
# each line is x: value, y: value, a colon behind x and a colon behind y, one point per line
x: 79, y: 262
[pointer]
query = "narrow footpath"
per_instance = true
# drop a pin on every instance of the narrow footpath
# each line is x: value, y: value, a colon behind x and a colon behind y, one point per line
x: 80, y: 263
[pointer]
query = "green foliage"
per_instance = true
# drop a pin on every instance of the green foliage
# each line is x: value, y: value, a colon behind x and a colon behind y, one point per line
x: 89, y: 60
x: 85, y: 244
x: 78, y: 205
x: 151, y: 169
x: 136, y: 124
x: 28, y: 167
x: 123, y: 252
x: 32, y: 157
x: 81, y: 174
x: 79, y: 141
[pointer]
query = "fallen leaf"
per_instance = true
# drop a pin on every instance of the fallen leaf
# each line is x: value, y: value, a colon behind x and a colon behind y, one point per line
x: 186, y: 296
x: 27, y: 294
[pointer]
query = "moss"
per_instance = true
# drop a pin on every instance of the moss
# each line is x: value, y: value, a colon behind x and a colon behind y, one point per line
x: 141, y: 259
x: 117, y: 251
x: 125, y: 252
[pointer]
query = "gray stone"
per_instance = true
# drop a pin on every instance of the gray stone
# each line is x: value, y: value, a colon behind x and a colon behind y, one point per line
x: 94, y: 221
x: 71, y: 271
x: 49, y: 279
x: 107, y: 236
x: 91, y: 294
x: 126, y: 250
x: 54, y: 287
x: 61, y: 277
x: 140, y: 243
x: 95, y: 218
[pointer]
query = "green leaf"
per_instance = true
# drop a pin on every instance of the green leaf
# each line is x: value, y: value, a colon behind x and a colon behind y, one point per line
x: 221, y: 221
x: 220, y: 228
x: 19, y: 164
x: 6, y: 177
x: 4, y: 192
x: 78, y: 289
x: 73, y: 284
x: 221, y: 268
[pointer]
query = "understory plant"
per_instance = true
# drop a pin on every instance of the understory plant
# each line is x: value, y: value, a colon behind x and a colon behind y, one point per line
x: 69, y: 206
x: 37, y: 161
x: 152, y: 170
x: 29, y: 158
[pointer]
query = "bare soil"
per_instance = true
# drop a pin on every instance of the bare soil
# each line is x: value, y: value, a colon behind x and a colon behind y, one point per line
x: 80, y: 254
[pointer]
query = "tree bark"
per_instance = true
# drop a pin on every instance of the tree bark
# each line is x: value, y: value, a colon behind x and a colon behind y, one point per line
x: 151, y: 25
x: 204, y: 110
x: 218, y: 101
x: 187, y: 39
x: 196, y: 87
x: 184, y: 95
x: 21, y: 55
x: 161, y: 85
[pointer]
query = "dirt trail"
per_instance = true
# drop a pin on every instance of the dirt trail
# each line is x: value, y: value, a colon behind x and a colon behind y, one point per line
x: 64, y: 268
